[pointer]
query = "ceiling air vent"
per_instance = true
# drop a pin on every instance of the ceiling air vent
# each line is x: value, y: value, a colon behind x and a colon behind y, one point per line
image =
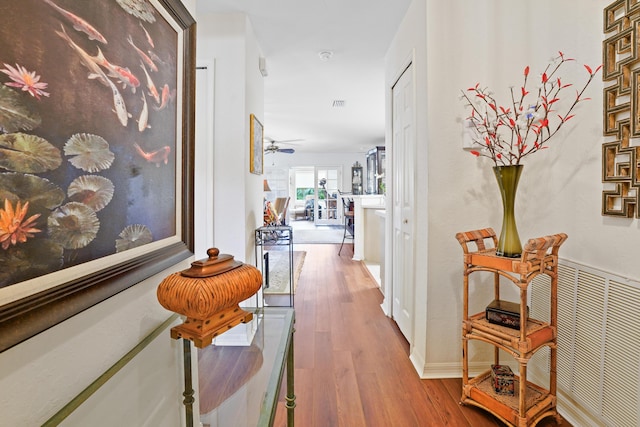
x: 338, y: 103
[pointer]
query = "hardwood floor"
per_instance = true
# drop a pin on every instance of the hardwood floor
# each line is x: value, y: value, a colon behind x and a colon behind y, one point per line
x: 351, y: 362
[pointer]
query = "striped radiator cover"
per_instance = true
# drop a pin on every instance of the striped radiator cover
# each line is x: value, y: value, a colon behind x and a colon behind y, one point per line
x: 598, y: 344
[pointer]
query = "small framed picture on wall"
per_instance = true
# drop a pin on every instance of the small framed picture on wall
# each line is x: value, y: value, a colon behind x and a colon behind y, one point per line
x: 257, y: 152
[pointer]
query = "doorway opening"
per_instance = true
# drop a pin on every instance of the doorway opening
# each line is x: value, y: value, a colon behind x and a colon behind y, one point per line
x: 314, y: 192
x: 314, y: 209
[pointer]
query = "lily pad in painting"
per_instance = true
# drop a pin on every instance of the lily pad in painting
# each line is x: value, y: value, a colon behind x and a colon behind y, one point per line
x: 89, y: 152
x: 138, y: 8
x: 73, y: 225
x: 31, y: 259
x: 92, y: 190
x: 37, y: 191
x: 20, y: 152
x: 14, y: 114
x: 133, y: 236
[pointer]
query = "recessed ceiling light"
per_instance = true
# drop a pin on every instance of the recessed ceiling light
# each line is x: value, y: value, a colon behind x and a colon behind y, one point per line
x: 325, y: 55
x: 338, y: 103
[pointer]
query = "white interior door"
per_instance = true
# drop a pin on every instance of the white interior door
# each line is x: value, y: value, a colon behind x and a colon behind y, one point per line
x: 403, y: 146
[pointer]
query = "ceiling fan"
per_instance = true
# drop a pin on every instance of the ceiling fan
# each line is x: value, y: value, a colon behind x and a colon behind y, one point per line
x: 274, y: 148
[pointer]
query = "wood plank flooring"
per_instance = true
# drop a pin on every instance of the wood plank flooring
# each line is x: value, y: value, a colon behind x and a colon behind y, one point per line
x: 351, y: 362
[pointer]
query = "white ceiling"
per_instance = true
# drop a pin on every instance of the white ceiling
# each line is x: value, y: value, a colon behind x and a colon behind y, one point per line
x: 300, y: 87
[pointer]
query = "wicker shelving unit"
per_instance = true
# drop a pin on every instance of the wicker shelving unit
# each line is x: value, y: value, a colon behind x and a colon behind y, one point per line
x: 530, y: 402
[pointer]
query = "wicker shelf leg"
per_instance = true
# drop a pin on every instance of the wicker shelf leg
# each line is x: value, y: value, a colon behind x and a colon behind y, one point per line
x: 465, y: 364
x: 522, y: 408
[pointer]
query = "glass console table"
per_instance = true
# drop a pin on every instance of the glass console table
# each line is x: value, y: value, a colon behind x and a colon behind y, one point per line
x: 239, y: 386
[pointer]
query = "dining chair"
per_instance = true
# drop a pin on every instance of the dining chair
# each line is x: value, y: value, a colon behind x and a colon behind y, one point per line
x: 349, y: 219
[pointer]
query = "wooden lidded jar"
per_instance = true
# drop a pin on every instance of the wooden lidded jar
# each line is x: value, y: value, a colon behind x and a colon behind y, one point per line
x: 208, y: 295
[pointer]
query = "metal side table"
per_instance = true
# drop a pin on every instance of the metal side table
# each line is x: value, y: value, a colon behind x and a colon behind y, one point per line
x: 274, y: 235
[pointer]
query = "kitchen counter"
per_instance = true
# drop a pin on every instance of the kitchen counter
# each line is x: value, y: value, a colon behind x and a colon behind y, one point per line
x: 368, y: 242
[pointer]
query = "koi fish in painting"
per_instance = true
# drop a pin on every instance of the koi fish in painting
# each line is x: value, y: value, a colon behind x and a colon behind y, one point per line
x: 119, y: 105
x: 144, y: 56
x: 97, y: 73
x: 78, y: 23
x: 164, y: 96
x: 143, y: 121
x: 146, y: 34
x: 153, y: 91
x: 155, y: 58
x: 123, y: 74
x: 157, y: 157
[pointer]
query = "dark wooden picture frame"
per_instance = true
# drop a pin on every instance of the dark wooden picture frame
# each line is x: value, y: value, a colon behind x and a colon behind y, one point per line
x: 156, y: 124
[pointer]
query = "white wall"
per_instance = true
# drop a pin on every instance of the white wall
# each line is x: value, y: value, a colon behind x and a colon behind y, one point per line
x: 409, y: 46
x: 457, y: 44
x: 228, y: 41
x: 41, y: 375
x: 254, y: 103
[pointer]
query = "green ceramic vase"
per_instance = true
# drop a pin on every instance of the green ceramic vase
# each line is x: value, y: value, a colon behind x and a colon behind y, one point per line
x: 509, y: 242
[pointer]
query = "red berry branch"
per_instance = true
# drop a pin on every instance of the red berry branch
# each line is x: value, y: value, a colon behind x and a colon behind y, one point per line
x: 506, y: 134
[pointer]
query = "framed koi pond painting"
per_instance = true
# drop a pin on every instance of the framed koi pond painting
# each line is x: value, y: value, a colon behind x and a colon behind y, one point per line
x: 96, y: 153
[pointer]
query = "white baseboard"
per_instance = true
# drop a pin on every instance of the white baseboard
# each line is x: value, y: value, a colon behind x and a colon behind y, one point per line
x: 417, y: 361
x: 449, y: 370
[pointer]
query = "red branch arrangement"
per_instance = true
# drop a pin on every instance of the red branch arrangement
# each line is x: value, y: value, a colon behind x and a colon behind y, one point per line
x: 506, y: 134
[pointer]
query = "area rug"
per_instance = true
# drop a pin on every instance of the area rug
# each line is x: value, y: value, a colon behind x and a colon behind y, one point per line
x: 324, y: 234
x: 279, y: 271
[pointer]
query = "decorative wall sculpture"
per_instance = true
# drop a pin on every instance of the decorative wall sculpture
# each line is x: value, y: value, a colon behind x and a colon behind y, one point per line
x: 621, y: 98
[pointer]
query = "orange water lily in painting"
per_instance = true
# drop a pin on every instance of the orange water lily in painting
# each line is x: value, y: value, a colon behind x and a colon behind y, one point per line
x: 13, y: 228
